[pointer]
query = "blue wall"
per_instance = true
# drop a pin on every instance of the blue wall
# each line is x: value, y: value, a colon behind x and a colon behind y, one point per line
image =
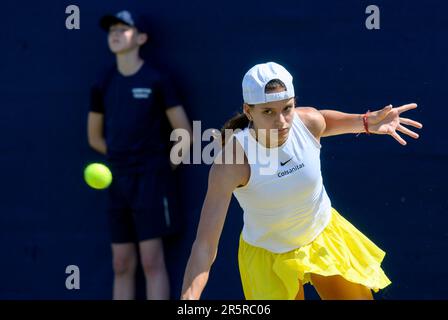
x: 396, y: 195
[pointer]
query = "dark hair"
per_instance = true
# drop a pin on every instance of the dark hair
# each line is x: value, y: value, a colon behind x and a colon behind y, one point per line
x: 240, y: 120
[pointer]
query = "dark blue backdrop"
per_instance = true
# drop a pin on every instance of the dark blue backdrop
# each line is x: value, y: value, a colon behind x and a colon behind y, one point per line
x: 396, y: 195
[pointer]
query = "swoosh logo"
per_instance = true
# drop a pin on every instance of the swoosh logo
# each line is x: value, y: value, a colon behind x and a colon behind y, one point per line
x: 283, y: 163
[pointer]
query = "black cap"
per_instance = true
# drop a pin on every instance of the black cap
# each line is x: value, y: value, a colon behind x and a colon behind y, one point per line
x: 125, y: 17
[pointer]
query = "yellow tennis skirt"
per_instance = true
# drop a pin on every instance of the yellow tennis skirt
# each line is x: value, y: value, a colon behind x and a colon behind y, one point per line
x: 340, y: 249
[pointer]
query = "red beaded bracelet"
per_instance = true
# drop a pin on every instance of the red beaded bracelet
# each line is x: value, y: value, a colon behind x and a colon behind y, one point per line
x: 366, y: 124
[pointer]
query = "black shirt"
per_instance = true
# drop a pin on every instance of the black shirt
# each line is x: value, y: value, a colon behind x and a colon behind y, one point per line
x: 135, y: 124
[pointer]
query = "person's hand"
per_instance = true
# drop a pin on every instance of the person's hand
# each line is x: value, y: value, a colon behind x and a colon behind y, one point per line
x: 388, y: 121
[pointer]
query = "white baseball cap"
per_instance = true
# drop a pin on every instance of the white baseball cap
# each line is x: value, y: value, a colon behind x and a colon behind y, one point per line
x: 258, y: 76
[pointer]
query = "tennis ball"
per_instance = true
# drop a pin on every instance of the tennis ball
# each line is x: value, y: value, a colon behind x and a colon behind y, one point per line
x: 97, y: 176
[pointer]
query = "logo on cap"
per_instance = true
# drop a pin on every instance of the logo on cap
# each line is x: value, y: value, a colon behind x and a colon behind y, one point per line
x: 125, y: 16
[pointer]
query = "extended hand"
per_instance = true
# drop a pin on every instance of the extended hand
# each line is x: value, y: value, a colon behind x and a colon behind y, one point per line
x: 388, y: 121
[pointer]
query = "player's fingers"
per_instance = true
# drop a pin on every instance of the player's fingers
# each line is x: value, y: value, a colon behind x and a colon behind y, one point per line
x: 406, y: 107
x: 411, y: 123
x: 407, y: 131
x: 398, y: 138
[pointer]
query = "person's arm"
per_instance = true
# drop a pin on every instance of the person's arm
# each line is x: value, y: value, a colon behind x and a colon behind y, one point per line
x: 178, y: 119
x: 223, y: 179
x: 95, y: 132
x: 337, y: 123
x: 384, y: 121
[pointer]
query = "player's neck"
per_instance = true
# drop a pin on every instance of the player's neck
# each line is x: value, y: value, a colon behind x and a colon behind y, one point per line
x: 129, y: 63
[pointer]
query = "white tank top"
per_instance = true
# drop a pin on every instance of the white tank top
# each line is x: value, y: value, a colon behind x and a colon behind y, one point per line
x: 287, y: 207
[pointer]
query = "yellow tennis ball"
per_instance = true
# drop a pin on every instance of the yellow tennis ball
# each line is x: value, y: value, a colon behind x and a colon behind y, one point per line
x: 97, y: 176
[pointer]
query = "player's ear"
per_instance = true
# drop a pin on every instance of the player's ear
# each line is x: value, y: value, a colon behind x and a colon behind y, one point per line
x: 142, y: 38
x: 247, y: 110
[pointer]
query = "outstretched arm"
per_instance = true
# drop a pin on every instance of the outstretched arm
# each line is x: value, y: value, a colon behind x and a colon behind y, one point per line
x: 223, y: 179
x: 384, y: 121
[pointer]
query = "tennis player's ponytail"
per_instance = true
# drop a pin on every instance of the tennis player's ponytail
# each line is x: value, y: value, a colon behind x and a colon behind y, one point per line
x: 239, y: 121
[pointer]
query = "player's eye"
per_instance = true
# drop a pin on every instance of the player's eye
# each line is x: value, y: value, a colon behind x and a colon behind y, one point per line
x: 267, y: 111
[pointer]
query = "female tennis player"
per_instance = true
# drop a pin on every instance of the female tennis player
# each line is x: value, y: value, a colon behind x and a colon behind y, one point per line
x: 292, y: 235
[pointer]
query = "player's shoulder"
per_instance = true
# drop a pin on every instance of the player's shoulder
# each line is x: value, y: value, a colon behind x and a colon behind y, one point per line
x: 231, y: 164
x: 308, y: 112
x: 313, y: 120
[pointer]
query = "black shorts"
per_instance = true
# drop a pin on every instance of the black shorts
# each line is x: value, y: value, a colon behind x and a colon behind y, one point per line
x: 141, y: 205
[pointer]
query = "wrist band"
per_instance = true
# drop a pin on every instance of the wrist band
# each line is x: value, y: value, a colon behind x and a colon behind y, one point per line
x: 366, y: 124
